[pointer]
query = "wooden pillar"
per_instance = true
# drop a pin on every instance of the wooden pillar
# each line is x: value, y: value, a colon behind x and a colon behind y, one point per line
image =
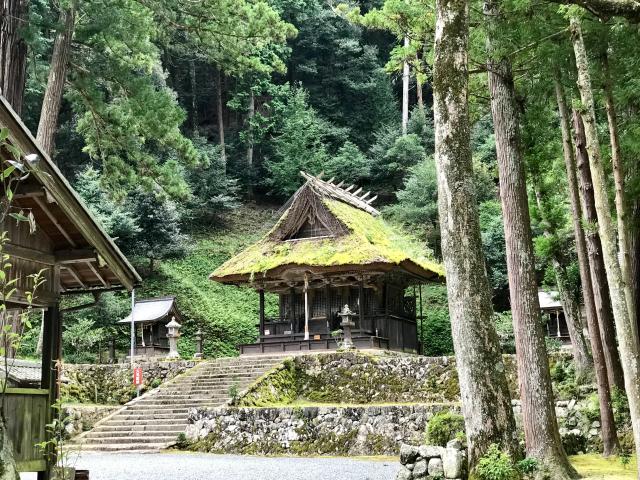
x: 292, y: 310
x: 51, y: 354
x: 361, y: 303
x: 327, y: 293
x: 420, y: 339
x: 306, y: 307
x: 261, y: 293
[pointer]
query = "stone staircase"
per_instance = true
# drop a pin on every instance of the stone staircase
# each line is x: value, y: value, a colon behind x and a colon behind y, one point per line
x: 154, y: 420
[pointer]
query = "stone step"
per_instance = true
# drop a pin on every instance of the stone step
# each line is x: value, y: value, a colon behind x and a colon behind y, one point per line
x: 138, y: 439
x: 118, y: 447
x: 181, y: 400
x: 128, y: 415
x: 117, y: 422
x: 158, y: 427
x: 94, y: 435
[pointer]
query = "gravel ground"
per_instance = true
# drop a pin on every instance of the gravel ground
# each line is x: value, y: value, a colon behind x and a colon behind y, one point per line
x: 188, y: 466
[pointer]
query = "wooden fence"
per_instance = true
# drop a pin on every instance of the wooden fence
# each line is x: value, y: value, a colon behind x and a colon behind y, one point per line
x: 27, y: 411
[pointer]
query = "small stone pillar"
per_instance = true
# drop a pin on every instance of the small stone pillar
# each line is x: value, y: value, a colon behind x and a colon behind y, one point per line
x: 347, y: 324
x: 198, y: 353
x: 173, y: 334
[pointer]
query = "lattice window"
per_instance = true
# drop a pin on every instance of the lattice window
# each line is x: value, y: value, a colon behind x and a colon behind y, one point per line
x: 311, y: 229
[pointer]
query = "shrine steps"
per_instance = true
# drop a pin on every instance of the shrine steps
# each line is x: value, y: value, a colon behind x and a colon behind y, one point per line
x: 154, y: 420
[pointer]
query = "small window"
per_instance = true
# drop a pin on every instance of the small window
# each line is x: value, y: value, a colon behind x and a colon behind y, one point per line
x: 310, y: 230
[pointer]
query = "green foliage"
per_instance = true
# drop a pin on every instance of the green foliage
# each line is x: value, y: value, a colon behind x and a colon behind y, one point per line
x: 80, y: 339
x: 493, y: 241
x: 563, y: 375
x: 444, y: 427
x: 503, y: 322
x: 620, y: 406
x: 496, y: 465
x: 435, y: 334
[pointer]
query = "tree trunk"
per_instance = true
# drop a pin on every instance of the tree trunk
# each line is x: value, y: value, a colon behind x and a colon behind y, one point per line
x: 620, y: 195
x: 419, y: 94
x: 220, y: 107
x: 598, y: 272
x: 40, y: 335
x: 634, y: 251
x: 486, y: 403
x: 194, y: 95
x: 405, y: 91
x: 13, y: 51
x: 609, y: 434
x: 250, y: 114
x: 8, y: 469
x: 625, y: 331
x: 48, y: 124
x: 542, y: 438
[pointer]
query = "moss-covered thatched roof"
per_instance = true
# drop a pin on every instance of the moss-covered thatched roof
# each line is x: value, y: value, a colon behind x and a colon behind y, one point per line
x: 368, y: 242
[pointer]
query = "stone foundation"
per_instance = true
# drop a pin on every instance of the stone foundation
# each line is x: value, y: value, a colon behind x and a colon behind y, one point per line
x: 82, y: 418
x: 331, y: 430
x: 113, y: 384
x: 432, y: 462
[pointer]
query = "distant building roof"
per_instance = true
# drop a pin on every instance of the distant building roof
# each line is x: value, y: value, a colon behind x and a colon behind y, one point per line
x: 21, y: 372
x: 549, y: 300
x: 151, y: 310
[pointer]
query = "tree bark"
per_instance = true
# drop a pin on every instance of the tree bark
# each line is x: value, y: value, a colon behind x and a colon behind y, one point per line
x: 419, y: 94
x: 542, y: 438
x: 13, y: 51
x: 8, y: 470
x: 220, y: 114
x: 486, y: 403
x: 625, y: 331
x: 609, y: 434
x: 598, y: 272
x: 405, y: 91
x: 620, y: 195
x: 50, y: 111
x: 634, y: 250
x: 250, y: 114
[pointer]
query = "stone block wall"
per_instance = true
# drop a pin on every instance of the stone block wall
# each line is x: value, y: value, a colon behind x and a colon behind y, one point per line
x: 426, y: 462
x: 330, y: 430
x: 83, y: 417
x: 113, y: 383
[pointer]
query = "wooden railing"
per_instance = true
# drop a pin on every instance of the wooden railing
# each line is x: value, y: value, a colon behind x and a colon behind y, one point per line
x: 27, y: 412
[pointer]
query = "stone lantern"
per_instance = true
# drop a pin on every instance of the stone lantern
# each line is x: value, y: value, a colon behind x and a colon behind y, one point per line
x: 173, y: 333
x: 198, y: 337
x: 347, y: 324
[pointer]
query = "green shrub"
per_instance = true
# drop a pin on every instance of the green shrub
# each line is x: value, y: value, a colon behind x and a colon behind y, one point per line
x: 620, y: 405
x: 504, y: 327
x: 496, y: 465
x: 443, y: 427
x: 435, y: 326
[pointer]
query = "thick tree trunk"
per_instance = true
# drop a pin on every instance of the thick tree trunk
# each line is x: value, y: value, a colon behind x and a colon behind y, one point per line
x: 634, y: 250
x: 250, y: 114
x: 625, y: 331
x: 8, y: 469
x: 220, y: 115
x: 609, y: 434
x: 598, y: 272
x: 48, y: 124
x: 542, y: 438
x: 486, y: 403
x: 194, y: 95
x: 620, y: 195
x: 405, y: 91
x: 13, y: 51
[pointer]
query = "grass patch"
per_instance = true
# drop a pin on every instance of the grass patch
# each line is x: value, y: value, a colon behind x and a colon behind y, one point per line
x: 594, y: 467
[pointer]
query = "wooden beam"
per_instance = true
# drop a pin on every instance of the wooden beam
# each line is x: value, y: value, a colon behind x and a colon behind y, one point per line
x: 349, y: 188
x: 365, y: 196
x: 75, y: 275
x: 55, y: 221
x: 371, y: 199
x: 30, y: 254
x: 357, y: 192
x: 97, y: 274
x: 77, y: 255
x: 29, y: 190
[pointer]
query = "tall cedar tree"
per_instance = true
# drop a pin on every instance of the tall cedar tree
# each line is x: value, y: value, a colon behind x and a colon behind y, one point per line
x: 13, y: 51
x: 627, y: 340
x: 542, y: 437
x: 486, y: 403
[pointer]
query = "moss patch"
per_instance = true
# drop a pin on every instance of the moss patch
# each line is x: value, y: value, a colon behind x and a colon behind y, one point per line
x: 595, y: 467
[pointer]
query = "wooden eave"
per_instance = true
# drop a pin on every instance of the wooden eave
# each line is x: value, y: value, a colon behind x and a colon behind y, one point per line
x: 88, y: 258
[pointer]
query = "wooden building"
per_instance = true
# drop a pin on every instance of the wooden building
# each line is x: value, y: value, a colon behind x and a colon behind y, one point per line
x: 331, y: 248
x: 74, y: 254
x: 150, y: 316
x: 553, y: 312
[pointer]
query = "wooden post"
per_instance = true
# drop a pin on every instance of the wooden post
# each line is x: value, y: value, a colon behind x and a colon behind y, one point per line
x: 306, y: 307
x: 327, y: 293
x: 261, y: 293
x: 361, y: 303
x: 292, y: 303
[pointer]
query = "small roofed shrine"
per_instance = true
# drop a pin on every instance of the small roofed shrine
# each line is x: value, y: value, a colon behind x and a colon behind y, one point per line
x: 340, y: 272
x: 151, y: 317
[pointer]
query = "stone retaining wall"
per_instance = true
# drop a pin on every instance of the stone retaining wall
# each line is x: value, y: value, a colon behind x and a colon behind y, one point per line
x: 331, y: 430
x: 432, y: 462
x: 113, y: 384
x: 81, y: 418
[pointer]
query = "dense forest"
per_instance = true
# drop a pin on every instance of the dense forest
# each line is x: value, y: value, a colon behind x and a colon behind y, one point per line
x: 503, y: 135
